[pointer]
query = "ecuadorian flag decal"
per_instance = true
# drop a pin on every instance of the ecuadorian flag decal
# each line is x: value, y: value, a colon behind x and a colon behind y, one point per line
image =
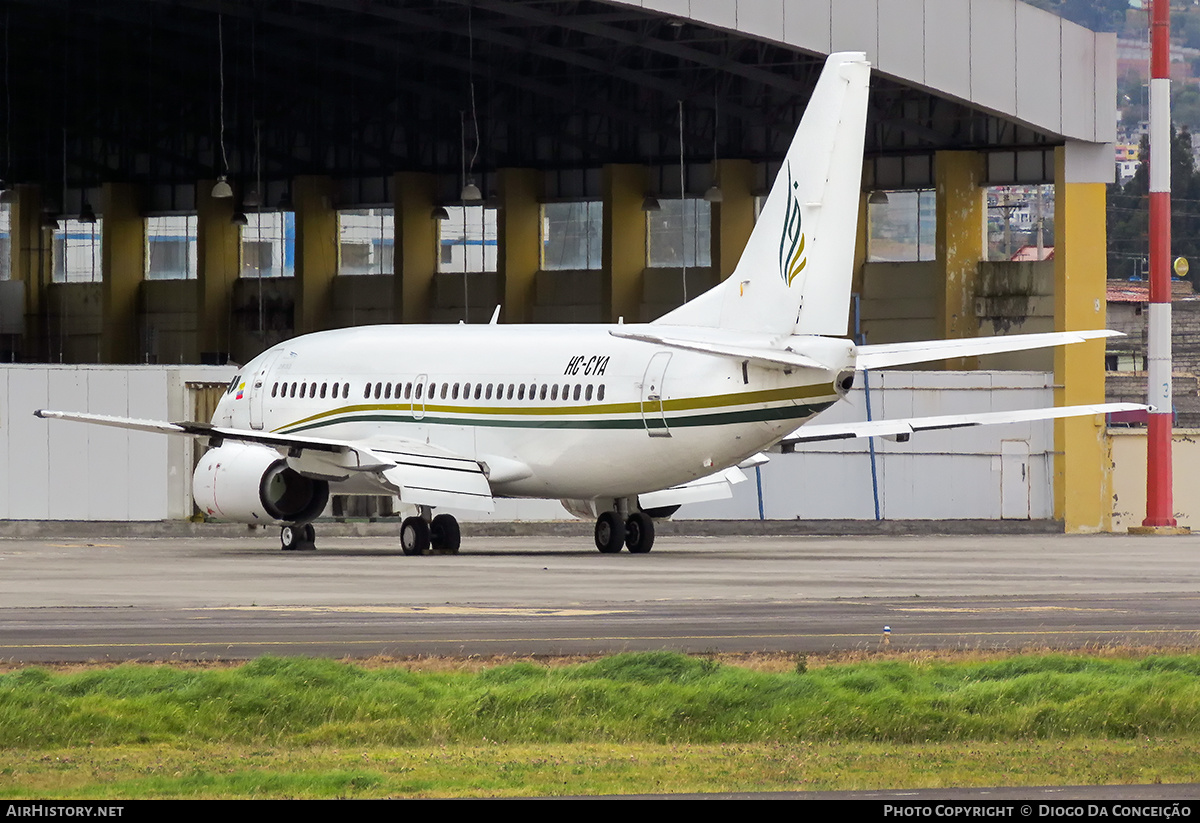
x: 791, y: 240
x: 241, y: 391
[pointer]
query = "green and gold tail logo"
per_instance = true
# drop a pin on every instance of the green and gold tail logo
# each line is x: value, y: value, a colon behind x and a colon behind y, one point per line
x: 791, y: 240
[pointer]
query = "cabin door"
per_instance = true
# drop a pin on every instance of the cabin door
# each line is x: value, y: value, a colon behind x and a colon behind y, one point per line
x: 653, y: 414
x: 257, y: 386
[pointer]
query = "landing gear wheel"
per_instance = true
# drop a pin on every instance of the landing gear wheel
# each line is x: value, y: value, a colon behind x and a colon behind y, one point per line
x: 444, y: 534
x: 414, y: 536
x: 639, y: 533
x: 610, y: 533
x: 298, y: 538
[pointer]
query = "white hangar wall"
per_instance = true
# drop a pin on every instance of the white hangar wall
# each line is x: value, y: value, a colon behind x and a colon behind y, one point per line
x: 55, y: 470
x: 984, y: 472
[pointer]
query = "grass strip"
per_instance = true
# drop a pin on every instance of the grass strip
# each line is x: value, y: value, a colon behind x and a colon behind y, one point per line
x: 652, y: 722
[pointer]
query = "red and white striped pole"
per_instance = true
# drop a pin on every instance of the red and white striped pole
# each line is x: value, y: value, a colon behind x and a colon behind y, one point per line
x: 1159, y: 509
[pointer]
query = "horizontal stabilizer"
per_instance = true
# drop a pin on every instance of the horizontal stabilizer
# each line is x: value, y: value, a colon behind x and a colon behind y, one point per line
x: 902, y: 429
x: 769, y: 358
x: 883, y: 355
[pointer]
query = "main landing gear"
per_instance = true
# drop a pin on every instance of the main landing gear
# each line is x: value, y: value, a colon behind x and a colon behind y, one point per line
x: 635, y: 532
x: 421, y: 533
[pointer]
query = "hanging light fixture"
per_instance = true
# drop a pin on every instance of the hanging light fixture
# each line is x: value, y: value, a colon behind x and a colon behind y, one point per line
x: 650, y: 203
x: 878, y: 198
x: 470, y: 192
x: 714, y: 193
x: 239, y: 219
x: 87, y: 214
x: 222, y: 190
x: 439, y: 213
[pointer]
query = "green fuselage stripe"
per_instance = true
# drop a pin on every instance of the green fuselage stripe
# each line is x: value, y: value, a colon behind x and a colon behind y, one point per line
x: 671, y: 405
x: 652, y: 419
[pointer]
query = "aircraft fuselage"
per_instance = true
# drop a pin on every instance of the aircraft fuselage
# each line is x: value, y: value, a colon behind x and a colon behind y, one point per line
x: 553, y: 411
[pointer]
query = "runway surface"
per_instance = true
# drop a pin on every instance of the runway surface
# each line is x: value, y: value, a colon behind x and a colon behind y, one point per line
x: 232, y: 598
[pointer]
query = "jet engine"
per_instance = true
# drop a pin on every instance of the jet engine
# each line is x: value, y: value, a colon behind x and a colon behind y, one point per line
x: 249, y: 483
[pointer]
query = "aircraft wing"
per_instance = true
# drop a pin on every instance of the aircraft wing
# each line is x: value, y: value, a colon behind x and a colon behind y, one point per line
x: 416, y: 472
x: 902, y: 429
x: 883, y: 355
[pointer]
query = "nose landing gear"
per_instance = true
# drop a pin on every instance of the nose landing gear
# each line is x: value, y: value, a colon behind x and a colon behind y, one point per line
x: 301, y: 537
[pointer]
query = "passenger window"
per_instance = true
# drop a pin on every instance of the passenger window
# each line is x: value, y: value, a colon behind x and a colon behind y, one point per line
x: 553, y: 391
x: 587, y: 395
x: 488, y: 394
x: 445, y: 388
x: 420, y: 390
x: 511, y: 389
x: 454, y: 394
x: 542, y: 396
x: 408, y: 391
x: 521, y: 392
x: 566, y: 394
x: 600, y: 392
x: 346, y: 391
x: 478, y: 390
x: 274, y: 389
x: 578, y: 389
x: 387, y: 391
x: 323, y: 387
x: 367, y: 391
x: 292, y: 393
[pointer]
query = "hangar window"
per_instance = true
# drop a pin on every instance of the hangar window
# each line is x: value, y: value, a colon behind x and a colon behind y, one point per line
x: 366, y: 241
x: 902, y: 227
x: 171, y: 247
x: 572, y: 235
x: 467, y: 240
x: 5, y: 241
x: 269, y: 244
x: 76, y: 252
x: 679, y: 234
x: 1020, y: 222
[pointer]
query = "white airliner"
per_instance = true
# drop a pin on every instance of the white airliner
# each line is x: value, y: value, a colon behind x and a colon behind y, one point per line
x: 614, y: 420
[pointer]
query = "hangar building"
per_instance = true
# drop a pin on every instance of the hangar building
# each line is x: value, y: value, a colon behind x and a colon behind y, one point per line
x: 568, y: 160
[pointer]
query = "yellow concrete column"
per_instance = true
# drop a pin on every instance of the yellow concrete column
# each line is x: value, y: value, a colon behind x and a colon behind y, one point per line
x: 316, y: 252
x: 961, y: 215
x: 733, y: 217
x: 1082, y: 492
x: 123, y: 260
x: 31, y: 264
x: 624, y: 252
x: 218, y: 264
x: 519, y: 227
x: 416, y: 257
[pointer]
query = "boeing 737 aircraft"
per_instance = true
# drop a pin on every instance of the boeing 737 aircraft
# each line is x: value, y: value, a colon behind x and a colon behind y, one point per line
x: 618, y: 421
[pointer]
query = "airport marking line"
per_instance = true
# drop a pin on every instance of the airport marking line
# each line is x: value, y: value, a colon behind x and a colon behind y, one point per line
x: 697, y: 637
x: 499, y: 611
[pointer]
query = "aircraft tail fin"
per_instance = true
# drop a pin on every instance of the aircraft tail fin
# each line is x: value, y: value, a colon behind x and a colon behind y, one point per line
x: 794, y: 274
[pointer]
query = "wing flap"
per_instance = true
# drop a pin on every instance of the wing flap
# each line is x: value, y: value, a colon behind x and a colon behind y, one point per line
x: 718, y: 486
x: 885, y: 355
x: 904, y: 428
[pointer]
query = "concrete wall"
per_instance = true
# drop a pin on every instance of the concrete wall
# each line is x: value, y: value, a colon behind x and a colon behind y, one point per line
x: 55, y: 470
x: 1127, y: 448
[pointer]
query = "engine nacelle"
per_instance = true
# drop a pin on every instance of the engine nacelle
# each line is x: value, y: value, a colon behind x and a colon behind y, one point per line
x: 249, y: 483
